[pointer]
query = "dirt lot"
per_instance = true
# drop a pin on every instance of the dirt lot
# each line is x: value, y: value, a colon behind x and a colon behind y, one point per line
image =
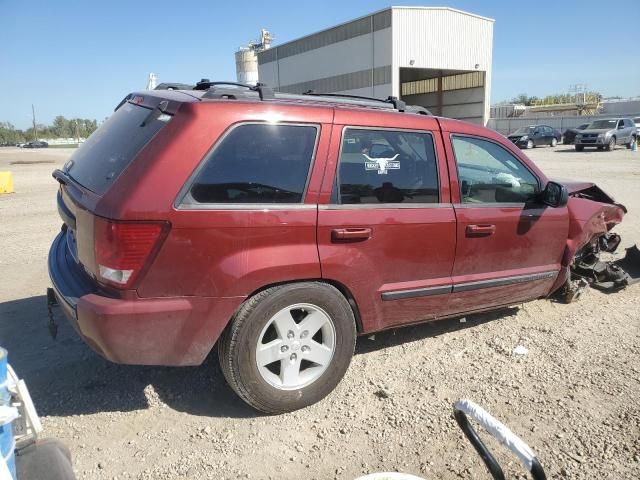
x: 573, y: 397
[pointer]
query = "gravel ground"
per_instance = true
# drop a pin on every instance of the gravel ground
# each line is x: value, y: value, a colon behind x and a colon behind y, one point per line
x: 572, y: 398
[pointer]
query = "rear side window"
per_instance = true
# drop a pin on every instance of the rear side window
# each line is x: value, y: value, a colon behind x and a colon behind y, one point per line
x: 386, y: 166
x: 110, y: 149
x: 257, y: 163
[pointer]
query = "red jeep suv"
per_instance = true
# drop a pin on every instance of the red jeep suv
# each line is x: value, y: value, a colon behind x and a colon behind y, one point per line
x: 282, y: 226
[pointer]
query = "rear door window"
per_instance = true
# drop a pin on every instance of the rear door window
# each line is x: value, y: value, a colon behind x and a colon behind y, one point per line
x: 257, y: 163
x: 386, y: 166
x: 109, y: 150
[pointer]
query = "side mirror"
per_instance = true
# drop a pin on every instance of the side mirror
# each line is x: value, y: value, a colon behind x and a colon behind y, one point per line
x: 555, y: 195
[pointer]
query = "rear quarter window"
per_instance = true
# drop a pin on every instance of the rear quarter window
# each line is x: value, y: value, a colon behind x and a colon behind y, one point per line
x: 257, y: 163
x: 109, y: 150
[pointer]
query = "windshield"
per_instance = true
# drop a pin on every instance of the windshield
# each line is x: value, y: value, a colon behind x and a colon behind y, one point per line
x: 523, y: 131
x: 599, y: 124
x: 111, y: 148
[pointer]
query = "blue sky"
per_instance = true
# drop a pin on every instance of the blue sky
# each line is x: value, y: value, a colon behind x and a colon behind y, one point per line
x: 79, y: 58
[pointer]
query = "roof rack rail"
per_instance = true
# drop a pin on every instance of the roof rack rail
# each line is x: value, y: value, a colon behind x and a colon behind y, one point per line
x: 264, y: 92
x: 235, y: 91
x: 398, y: 104
x: 419, y: 110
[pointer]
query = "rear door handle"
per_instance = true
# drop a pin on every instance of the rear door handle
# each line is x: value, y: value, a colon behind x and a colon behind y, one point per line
x: 480, y: 230
x: 350, y: 234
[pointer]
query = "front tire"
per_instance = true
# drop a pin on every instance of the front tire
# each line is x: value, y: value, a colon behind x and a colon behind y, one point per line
x: 554, y: 141
x: 611, y: 145
x: 530, y: 144
x: 288, y: 346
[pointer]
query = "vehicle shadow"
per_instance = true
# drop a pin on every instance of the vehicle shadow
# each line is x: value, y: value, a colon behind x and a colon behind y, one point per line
x: 571, y: 149
x: 66, y: 378
x: 433, y: 329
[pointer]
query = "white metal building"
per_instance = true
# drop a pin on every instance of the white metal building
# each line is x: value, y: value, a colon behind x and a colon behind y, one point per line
x: 436, y: 57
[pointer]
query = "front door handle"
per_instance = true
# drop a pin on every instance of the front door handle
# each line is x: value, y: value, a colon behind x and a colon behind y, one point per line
x: 480, y: 230
x: 350, y: 234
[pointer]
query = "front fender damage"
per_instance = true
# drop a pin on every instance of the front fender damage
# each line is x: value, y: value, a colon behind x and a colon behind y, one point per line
x: 592, y: 216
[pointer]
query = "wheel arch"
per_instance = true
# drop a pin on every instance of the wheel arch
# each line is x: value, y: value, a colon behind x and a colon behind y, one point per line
x: 343, y: 289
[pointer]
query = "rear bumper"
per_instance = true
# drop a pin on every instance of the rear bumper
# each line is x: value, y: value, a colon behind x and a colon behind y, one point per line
x: 139, y: 331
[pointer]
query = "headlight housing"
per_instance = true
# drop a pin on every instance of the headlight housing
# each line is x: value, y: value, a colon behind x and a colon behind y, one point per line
x: 524, y: 138
x: 601, y: 136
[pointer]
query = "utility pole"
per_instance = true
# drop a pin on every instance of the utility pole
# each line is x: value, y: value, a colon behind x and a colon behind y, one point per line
x: 35, y: 129
x: 77, y: 134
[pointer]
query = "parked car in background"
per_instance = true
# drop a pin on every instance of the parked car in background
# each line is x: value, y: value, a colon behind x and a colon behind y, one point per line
x: 535, y: 136
x: 36, y: 144
x: 570, y: 133
x: 606, y: 134
x: 282, y: 226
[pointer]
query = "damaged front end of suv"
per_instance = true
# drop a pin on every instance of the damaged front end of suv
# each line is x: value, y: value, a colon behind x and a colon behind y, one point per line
x: 593, y: 214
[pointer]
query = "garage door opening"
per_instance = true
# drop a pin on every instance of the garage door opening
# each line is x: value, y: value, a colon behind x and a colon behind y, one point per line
x: 456, y: 94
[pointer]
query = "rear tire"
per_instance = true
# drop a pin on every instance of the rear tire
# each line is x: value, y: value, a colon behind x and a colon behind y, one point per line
x: 579, y: 148
x: 630, y: 144
x: 280, y: 316
x: 611, y: 145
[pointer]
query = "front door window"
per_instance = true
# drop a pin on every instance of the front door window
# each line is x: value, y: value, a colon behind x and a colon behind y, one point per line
x: 488, y: 173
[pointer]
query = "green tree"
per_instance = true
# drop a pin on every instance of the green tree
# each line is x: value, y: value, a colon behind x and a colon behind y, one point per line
x: 9, y: 134
x: 60, y: 127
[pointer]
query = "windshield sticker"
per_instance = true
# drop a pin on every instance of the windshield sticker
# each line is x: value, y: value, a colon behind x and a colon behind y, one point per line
x: 382, y: 165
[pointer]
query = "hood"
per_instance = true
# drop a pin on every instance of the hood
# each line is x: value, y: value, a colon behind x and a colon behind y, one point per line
x: 597, y: 130
x: 589, y: 191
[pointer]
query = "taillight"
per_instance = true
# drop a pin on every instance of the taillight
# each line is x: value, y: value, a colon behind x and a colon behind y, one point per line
x: 122, y: 249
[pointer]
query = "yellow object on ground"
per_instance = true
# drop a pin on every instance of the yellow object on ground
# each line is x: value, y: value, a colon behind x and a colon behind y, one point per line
x: 6, y: 182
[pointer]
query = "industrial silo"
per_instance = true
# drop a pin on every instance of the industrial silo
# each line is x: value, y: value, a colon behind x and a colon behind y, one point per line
x: 247, y: 66
x: 247, y: 59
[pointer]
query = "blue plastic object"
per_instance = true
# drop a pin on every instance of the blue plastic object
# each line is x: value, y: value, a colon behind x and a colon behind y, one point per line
x: 7, y: 445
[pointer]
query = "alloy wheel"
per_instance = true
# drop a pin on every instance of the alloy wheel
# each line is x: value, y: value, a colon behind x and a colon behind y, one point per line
x: 296, y: 346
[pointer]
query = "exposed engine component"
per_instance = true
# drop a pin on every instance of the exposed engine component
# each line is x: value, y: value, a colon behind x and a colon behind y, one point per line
x: 608, y: 276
